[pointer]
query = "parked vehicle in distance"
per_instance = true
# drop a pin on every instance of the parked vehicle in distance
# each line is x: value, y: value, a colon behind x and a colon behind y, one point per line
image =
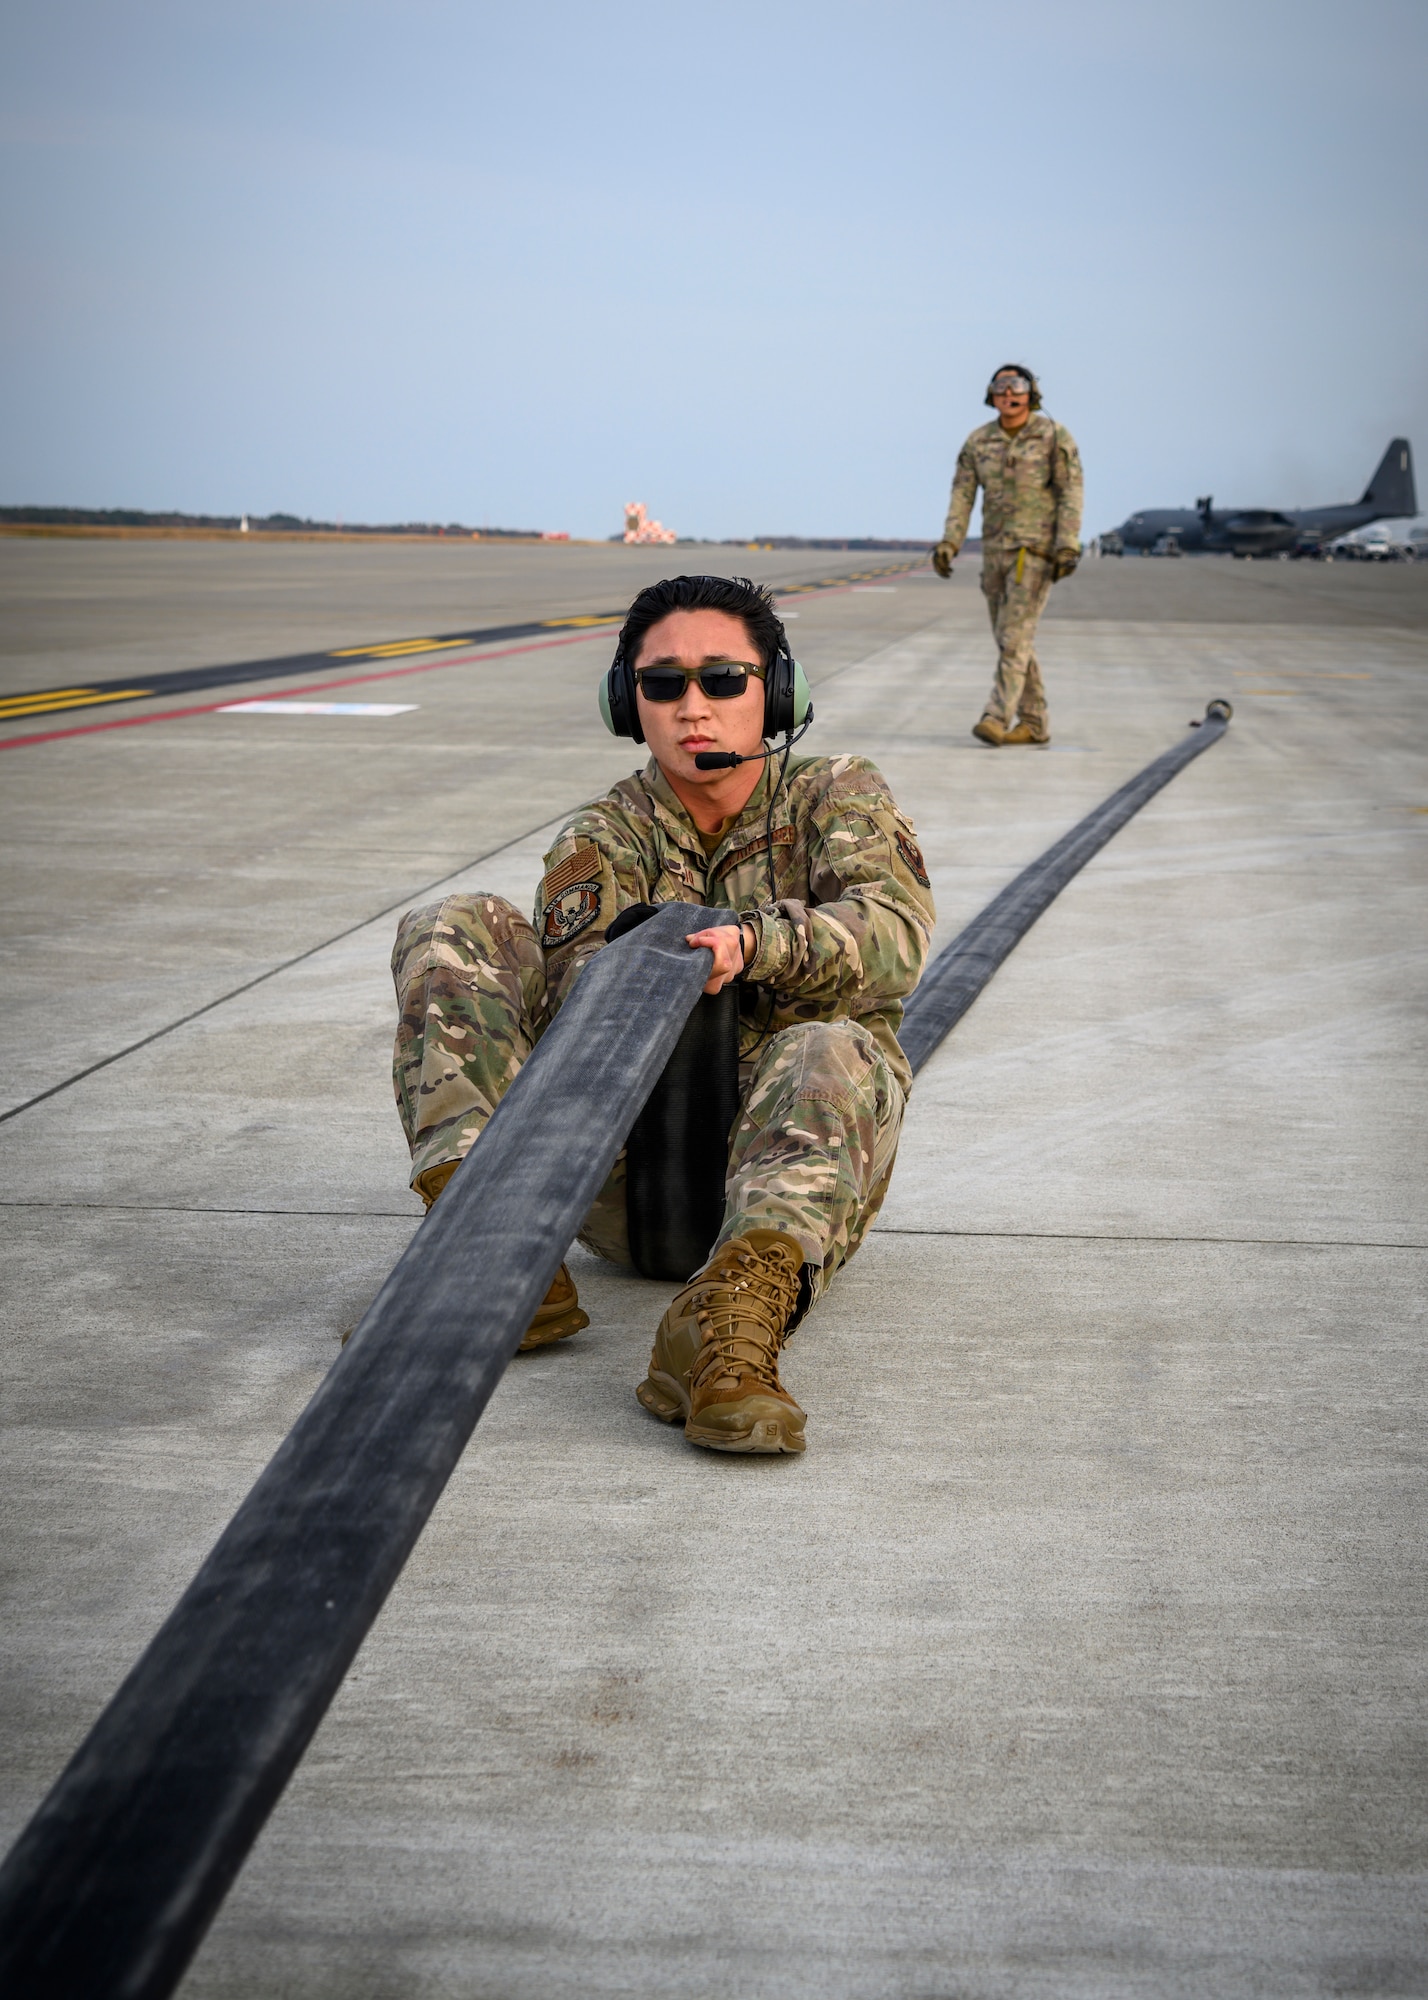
x: 1378, y: 543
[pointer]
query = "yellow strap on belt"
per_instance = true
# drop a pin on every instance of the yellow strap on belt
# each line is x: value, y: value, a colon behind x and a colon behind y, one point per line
x: 1020, y: 563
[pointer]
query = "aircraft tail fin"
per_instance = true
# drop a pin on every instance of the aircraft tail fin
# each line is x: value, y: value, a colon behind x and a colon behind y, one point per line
x: 1391, y: 490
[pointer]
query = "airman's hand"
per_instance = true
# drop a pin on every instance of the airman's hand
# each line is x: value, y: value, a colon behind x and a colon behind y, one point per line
x: 1063, y: 562
x: 731, y: 945
x: 942, y: 558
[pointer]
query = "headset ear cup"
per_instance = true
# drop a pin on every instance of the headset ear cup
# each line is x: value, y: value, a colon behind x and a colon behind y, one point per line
x: 632, y: 707
x: 802, y: 696
x: 778, y: 694
x: 618, y: 708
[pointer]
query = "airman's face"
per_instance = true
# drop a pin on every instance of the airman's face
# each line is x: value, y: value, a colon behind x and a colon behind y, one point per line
x: 1011, y: 399
x: 677, y: 731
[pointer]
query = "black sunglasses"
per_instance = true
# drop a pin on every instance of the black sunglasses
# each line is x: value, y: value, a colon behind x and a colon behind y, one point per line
x: 723, y: 682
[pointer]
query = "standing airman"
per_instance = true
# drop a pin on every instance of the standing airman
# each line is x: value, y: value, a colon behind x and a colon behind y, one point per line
x: 1029, y: 470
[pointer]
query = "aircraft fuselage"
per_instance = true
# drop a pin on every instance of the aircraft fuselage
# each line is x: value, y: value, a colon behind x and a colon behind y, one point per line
x: 1268, y: 531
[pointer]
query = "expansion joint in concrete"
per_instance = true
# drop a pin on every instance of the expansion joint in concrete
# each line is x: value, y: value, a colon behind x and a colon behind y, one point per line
x: 1112, y: 1236
x: 286, y: 965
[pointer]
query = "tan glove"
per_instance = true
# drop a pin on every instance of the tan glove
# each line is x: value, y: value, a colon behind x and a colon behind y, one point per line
x: 1063, y: 562
x: 942, y: 558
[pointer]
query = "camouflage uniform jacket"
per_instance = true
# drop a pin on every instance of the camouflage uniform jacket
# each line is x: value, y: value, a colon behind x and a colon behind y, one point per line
x: 1031, y: 487
x: 844, y: 939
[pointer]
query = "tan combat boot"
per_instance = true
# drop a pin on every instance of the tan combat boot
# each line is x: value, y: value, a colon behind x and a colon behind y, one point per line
x: 429, y: 1184
x: 990, y: 731
x: 715, y: 1356
x: 1028, y: 732
x: 559, y: 1314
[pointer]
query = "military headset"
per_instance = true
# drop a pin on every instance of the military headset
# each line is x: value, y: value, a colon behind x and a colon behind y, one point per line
x: 1014, y: 368
x: 788, y: 704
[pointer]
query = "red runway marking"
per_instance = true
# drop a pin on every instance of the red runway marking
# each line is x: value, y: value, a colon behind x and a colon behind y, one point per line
x: 314, y: 687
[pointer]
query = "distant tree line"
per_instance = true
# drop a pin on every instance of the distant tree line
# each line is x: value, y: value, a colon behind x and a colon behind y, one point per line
x: 135, y: 517
x: 851, y: 543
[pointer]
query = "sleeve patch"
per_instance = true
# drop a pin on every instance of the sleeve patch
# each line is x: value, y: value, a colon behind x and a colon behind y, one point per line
x: 569, y: 913
x: 912, y: 855
x: 581, y: 866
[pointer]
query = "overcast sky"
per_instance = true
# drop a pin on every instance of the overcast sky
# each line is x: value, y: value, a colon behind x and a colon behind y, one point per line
x: 751, y: 264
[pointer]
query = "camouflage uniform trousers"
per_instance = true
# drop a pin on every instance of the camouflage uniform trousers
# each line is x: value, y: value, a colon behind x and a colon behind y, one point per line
x: 812, y: 1150
x: 1016, y: 584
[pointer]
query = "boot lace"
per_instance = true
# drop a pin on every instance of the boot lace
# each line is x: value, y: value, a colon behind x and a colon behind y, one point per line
x: 742, y: 1313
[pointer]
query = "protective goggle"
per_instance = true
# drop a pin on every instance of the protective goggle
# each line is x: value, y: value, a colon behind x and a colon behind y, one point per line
x: 1010, y: 385
x: 724, y: 681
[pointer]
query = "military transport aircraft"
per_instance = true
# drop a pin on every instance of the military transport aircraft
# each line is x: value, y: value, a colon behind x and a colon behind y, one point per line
x: 1263, y: 531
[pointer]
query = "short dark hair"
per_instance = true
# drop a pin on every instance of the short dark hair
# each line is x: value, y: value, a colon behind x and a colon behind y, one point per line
x: 749, y: 602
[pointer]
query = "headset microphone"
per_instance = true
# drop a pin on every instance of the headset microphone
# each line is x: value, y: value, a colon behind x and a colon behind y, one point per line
x: 725, y: 760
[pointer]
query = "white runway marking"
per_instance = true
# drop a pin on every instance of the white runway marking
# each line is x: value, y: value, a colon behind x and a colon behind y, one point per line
x: 318, y: 708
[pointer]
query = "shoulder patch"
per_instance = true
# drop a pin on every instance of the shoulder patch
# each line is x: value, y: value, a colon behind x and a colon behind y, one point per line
x: 583, y: 865
x: 912, y: 855
x: 568, y: 913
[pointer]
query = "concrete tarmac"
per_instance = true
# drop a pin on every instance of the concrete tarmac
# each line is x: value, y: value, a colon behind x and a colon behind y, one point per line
x: 1083, y: 1654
